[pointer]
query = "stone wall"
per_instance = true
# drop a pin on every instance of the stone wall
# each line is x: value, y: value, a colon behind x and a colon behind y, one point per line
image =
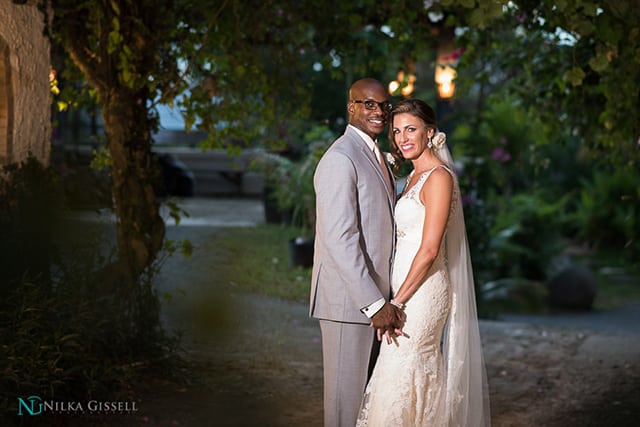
x: 25, y: 102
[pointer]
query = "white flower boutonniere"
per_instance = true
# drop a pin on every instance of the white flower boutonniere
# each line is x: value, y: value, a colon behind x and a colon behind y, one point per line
x: 439, y: 140
x: 390, y: 159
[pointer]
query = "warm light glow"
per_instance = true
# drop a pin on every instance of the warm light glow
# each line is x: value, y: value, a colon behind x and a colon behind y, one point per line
x: 445, y: 74
x: 403, y: 83
x: 446, y: 90
x: 408, y: 89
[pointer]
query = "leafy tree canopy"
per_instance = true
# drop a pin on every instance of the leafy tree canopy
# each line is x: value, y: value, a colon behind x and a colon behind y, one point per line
x: 241, y: 70
x: 575, y: 65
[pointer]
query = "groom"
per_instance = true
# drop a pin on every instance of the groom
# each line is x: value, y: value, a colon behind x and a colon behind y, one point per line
x: 354, y: 241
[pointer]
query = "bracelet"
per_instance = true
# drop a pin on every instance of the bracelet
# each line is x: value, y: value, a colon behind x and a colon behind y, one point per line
x: 400, y: 305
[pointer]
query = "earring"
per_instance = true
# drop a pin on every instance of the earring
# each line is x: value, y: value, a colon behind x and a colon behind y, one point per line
x: 430, y: 143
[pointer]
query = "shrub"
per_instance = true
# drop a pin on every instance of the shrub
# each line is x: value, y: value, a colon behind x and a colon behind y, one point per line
x: 526, y: 236
x: 606, y: 215
x: 291, y: 181
x: 61, y: 335
x: 29, y: 206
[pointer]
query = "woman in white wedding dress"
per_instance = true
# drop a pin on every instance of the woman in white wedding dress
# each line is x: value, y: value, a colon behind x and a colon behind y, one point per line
x: 435, y: 375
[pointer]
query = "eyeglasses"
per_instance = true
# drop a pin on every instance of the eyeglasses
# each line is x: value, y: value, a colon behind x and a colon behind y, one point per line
x: 370, y: 104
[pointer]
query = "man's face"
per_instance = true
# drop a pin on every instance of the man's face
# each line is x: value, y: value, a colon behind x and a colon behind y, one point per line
x: 373, y: 119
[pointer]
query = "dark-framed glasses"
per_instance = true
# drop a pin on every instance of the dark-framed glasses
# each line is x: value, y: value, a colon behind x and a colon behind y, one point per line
x: 370, y: 104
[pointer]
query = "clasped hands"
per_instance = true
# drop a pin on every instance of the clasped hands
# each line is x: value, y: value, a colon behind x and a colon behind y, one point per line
x: 388, y: 322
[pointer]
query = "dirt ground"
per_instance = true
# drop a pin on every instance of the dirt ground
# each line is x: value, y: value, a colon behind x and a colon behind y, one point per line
x: 258, y: 363
x: 269, y: 373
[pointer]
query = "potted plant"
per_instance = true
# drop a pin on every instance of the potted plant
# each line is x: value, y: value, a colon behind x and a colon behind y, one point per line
x: 299, y: 197
x: 290, y: 186
x: 276, y: 170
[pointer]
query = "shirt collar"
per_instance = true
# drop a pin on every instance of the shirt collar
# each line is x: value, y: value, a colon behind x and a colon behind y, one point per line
x: 367, y: 139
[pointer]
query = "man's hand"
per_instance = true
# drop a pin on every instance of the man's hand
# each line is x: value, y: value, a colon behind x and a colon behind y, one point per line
x: 389, y: 320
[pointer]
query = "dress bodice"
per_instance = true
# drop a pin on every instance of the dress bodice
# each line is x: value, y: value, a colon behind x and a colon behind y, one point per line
x: 410, y: 213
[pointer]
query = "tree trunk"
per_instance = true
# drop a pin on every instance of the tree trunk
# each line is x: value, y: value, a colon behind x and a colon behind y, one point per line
x: 140, y: 228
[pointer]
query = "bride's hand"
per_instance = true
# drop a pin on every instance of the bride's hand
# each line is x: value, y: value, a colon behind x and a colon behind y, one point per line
x: 401, y: 333
x: 391, y: 337
x: 381, y: 332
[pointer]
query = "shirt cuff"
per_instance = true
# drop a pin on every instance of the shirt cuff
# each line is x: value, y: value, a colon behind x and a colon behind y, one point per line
x: 372, y: 309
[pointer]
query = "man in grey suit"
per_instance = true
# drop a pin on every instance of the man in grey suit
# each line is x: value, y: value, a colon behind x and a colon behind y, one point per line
x: 354, y: 242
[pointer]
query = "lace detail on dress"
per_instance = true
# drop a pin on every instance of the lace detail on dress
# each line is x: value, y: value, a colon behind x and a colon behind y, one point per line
x: 416, y: 188
x: 406, y: 228
x: 407, y: 387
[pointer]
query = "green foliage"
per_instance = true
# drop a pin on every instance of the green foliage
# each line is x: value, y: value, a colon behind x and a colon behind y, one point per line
x: 62, y: 334
x: 500, y: 155
x: 555, y: 63
x: 301, y: 193
x: 607, y: 214
x: 29, y: 205
x: 563, y: 78
x: 48, y: 344
x: 276, y: 170
x: 255, y: 260
x: 513, y: 232
x: 565, y: 62
x: 512, y: 295
x: 290, y: 182
x: 479, y: 219
x: 73, y: 342
x: 526, y: 235
x: 617, y: 278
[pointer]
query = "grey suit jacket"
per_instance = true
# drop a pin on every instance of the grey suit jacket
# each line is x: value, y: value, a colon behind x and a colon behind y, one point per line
x: 355, y: 229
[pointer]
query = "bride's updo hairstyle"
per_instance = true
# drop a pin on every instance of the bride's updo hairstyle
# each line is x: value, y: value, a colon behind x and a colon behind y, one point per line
x: 417, y: 108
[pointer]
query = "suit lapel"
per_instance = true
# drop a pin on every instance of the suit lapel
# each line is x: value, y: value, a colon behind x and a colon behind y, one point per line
x: 368, y: 153
x: 374, y: 164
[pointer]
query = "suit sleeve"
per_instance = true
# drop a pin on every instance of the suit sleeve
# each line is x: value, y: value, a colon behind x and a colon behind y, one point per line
x: 336, y: 185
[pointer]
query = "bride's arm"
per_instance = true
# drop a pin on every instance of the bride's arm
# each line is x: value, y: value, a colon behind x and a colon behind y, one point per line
x: 435, y: 195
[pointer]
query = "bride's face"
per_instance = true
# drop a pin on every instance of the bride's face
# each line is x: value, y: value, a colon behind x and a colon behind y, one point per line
x: 410, y: 135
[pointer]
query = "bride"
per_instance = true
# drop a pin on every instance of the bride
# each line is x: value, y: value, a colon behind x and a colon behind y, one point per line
x: 434, y: 375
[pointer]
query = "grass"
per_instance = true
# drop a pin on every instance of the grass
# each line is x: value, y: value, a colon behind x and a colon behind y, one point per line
x: 617, y: 289
x: 618, y: 278
x: 256, y: 260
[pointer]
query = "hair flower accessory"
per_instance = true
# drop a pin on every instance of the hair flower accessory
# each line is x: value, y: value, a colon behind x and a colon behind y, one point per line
x: 390, y: 159
x: 439, y: 140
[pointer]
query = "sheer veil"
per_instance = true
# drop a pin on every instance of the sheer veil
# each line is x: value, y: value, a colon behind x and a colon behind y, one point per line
x: 467, y: 393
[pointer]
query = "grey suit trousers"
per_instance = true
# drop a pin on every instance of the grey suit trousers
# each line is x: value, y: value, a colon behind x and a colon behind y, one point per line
x: 348, y: 354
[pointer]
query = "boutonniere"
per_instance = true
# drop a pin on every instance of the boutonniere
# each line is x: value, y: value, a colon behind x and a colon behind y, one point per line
x: 390, y: 159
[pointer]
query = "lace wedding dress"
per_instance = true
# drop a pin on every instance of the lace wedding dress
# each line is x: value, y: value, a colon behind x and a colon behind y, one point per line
x: 436, y: 377
x: 407, y: 387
